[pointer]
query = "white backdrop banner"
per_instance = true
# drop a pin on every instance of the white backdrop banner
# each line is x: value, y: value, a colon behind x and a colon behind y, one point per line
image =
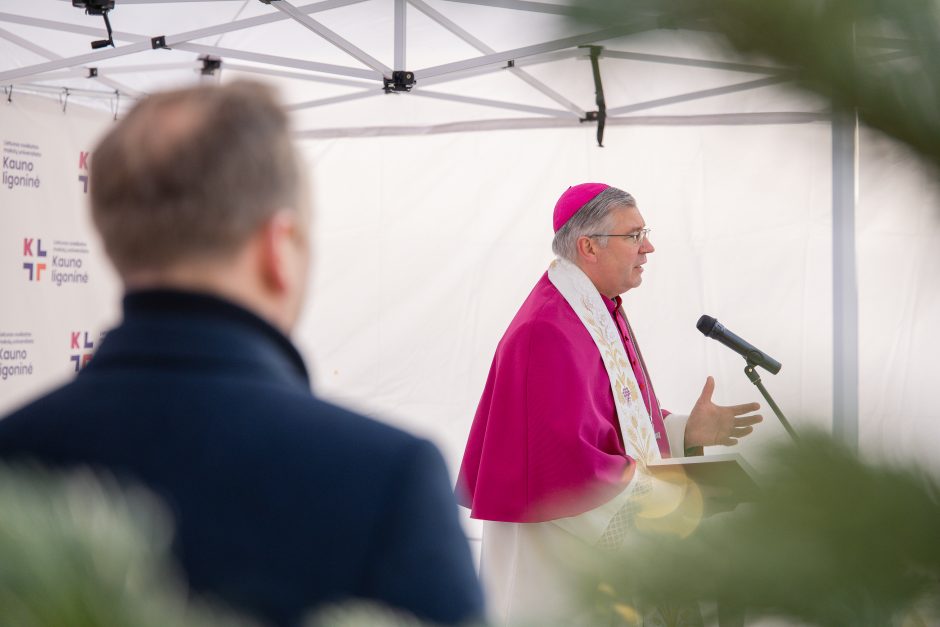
x: 59, y: 295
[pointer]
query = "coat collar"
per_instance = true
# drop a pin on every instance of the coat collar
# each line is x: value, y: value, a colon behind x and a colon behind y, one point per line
x: 188, y: 330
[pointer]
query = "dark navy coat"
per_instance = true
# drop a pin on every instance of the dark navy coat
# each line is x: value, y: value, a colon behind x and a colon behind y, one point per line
x: 282, y: 502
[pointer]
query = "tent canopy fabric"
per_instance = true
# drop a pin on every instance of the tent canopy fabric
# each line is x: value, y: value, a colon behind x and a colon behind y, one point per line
x: 503, y: 64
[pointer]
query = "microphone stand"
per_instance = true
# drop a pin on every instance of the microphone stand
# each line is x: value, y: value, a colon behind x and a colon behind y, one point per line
x: 751, y: 373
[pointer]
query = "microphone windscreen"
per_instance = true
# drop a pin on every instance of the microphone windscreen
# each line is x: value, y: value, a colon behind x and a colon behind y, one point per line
x: 705, y: 324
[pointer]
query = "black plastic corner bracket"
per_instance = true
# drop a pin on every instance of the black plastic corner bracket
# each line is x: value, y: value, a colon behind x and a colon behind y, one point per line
x: 210, y: 65
x: 401, y: 80
x: 159, y: 42
x: 92, y: 72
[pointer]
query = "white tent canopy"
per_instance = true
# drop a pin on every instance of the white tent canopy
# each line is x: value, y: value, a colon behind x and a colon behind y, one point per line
x: 767, y: 212
x: 522, y: 61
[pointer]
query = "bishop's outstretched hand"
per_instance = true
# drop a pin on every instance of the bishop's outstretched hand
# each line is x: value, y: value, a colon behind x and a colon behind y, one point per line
x: 711, y: 424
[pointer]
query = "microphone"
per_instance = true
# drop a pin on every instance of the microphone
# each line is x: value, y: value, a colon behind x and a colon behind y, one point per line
x: 714, y: 329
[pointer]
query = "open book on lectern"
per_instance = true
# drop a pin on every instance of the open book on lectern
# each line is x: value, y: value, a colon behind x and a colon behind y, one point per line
x: 725, y: 477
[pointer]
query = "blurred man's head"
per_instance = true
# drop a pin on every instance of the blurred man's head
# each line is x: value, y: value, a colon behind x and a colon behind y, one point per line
x: 201, y: 189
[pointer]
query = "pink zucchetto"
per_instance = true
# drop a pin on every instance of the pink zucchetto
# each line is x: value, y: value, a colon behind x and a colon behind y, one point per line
x: 573, y: 199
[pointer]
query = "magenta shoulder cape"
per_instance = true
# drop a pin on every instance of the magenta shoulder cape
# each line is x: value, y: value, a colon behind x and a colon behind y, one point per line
x: 544, y: 442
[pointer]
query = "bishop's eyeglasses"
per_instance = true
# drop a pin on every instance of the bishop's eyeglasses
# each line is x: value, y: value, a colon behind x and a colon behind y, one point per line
x: 638, y: 237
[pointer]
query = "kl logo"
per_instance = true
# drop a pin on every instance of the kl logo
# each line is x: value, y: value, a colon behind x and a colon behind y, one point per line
x: 83, y: 165
x: 80, y: 341
x: 34, y: 268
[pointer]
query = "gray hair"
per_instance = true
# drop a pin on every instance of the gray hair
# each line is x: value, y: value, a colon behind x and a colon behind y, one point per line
x: 593, y: 217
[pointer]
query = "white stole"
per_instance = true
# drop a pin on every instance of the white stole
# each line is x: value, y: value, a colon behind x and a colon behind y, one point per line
x: 639, y: 438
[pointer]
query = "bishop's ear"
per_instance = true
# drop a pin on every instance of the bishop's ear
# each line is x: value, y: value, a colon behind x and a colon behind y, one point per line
x: 587, y: 249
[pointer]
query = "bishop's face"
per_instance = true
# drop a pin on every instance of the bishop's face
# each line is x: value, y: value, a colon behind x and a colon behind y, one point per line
x: 619, y: 265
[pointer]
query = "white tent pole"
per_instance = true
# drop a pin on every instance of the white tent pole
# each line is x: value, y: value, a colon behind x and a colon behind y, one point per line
x: 227, y: 27
x: 670, y: 60
x: 453, y: 27
x: 400, y: 34
x: 435, y: 129
x: 150, y: 67
x: 120, y: 87
x: 74, y: 91
x: 315, y: 78
x: 548, y: 91
x: 27, y: 45
x: 844, y: 281
x: 722, y: 119
x: 178, y: 41
x: 82, y: 72
x: 374, y: 91
x: 695, y: 95
x: 525, y: 51
x: 501, y: 67
x: 82, y: 59
x: 48, y: 54
x: 343, y: 44
x: 718, y: 119
x: 299, y: 64
x: 500, y: 104
x: 67, y: 27
x: 72, y: 73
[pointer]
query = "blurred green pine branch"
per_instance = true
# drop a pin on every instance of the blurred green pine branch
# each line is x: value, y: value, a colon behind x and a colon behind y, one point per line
x: 879, y: 57
x: 79, y: 552
x: 832, y: 541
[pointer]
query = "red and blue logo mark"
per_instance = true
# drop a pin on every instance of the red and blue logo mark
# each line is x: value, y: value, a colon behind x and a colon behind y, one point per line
x: 33, y: 248
x: 84, y: 346
x: 83, y: 165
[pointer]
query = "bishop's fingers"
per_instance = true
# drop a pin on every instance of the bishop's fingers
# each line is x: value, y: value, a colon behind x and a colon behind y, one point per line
x: 748, y: 420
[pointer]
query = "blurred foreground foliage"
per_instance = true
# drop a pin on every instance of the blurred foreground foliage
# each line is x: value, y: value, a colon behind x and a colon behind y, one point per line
x: 80, y: 550
x: 832, y: 541
x: 879, y: 57
x: 76, y: 551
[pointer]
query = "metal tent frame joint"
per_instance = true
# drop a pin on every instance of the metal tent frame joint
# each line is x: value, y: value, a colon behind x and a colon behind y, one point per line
x: 210, y: 65
x: 401, y: 80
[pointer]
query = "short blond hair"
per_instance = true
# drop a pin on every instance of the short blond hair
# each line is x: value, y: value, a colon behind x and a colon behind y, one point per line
x: 191, y: 174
